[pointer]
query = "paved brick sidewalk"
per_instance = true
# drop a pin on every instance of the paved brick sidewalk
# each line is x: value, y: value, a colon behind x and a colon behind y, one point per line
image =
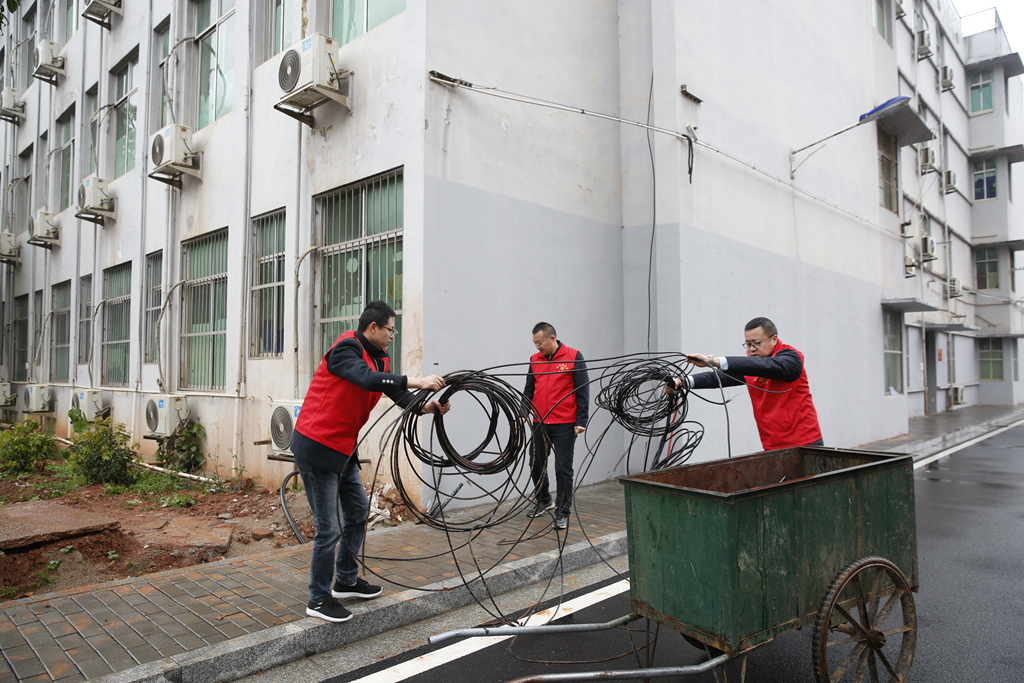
x: 89, y: 632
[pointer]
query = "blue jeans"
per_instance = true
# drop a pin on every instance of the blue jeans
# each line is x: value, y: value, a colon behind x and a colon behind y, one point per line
x: 562, y: 438
x: 326, y: 491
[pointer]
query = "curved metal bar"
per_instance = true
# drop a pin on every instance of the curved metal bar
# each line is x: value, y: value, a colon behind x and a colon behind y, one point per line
x: 530, y: 630
x: 284, y: 506
x: 631, y: 675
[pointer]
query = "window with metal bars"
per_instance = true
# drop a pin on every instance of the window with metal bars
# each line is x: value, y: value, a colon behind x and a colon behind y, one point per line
x: 20, y: 338
x: 360, y: 228
x: 154, y: 302
x: 84, y: 318
x: 37, y: 327
x: 266, y: 333
x: 204, y: 268
x: 117, y: 313
x: 60, y: 332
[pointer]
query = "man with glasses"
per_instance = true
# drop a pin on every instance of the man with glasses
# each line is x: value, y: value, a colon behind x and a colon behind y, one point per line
x: 777, y: 381
x: 345, y: 388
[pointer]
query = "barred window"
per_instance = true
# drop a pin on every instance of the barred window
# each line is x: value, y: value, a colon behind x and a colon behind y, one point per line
x: 20, y: 338
x: 990, y: 359
x: 84, y: 318
x: 204, y: 267
x: 266, y: 337
x: 60, y: 332
x: 117, y: 313
x: 154, y: 302
x: 360, y: 228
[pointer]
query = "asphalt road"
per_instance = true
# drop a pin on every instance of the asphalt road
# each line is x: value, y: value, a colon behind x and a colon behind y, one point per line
x: 970, y: 513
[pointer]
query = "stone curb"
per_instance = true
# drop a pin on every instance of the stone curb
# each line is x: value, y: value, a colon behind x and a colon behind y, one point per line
x: 279, y: 645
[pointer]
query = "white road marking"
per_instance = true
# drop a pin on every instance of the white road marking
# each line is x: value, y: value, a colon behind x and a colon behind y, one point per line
x: 418, y: 665
x: 950, y: 451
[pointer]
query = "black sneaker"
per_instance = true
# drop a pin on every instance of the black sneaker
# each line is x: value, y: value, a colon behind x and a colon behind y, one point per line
x: 328, y: 610
x: 562, y: 522
x: 540, y: 509
x: 361, y: 589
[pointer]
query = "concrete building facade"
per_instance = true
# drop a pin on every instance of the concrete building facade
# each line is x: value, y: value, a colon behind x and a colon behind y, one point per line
x: 477, y: 208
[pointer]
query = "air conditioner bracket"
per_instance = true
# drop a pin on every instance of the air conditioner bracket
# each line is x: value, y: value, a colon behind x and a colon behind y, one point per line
x: 301, y: 113
x: 11, y: 116
x: 171, y: 175
x: 50, y: 79
x: 45, y: 244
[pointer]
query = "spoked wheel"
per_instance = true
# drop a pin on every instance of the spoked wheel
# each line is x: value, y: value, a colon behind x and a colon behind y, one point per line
x: 866, y: 629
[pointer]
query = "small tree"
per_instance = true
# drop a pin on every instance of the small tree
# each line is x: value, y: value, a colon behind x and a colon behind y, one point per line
x: 104, y: 454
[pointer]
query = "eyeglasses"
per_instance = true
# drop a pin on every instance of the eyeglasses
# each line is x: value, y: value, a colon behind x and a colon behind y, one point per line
x: 752, y: 345
x: 391, y: 331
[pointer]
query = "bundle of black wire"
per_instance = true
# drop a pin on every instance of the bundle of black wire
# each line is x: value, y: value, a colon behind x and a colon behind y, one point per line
x: 502, y: 405
x: 634, y: 394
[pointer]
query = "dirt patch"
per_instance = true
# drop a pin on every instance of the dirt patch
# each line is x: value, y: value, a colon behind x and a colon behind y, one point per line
x: 139, y: 546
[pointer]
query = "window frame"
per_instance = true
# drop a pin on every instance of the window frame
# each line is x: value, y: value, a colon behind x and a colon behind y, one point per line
x: 215, y: 31
x: 115, y: 343
x: 70, y: 19
x: 194, y: 279
x: 990, y: 357
x: 976, y: 82
x: 37, y: 327
x: 986, y: 268
x: 364, y: 8
x: 66, y: 160
x: 280, y: 35
x: 60, y: 332
x: 982, y: 175
x: 267, y: 253
x: 20, y: 338
x: 126, y: 104
x: 162, y: 43
x: 888, y: 157
x: 892, y: 350
x: 29, y: 29
x: 334, y: 206
x: 153, y: 306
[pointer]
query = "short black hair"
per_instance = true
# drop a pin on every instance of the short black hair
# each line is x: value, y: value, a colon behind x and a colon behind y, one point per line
x: 375, y: 312
x: 764, y: 323
x: 547, y: 329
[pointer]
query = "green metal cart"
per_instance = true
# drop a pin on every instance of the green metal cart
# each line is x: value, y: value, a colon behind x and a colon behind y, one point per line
x: 735, y: 552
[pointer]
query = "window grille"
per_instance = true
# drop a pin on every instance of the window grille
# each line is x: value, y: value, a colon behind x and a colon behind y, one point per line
x: 84, y: 318
x: 204, y: 266
x: 360, y: 228
x: 154, y: 302
x: 266, y: 337
x: 60, y: 332
x: 117, y: 310
x: 20, y: 338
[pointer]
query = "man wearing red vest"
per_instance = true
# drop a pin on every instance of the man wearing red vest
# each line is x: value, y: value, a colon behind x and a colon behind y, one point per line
x: 345, y: 388
x: 777, y: 381
x: 558, y: 385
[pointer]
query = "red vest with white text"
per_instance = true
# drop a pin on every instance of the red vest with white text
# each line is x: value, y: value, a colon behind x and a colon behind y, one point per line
x: 334, y: 409
x: 552, y: 382
x: 785, y: 419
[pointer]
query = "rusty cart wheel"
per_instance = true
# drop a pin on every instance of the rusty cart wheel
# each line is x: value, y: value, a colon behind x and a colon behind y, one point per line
x: 866, y: 628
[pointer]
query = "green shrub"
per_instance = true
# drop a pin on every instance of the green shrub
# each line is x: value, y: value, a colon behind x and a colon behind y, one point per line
x: 103, y: 454
x: 181, y: 451
x: 22, y: 446
x: 158, y: 482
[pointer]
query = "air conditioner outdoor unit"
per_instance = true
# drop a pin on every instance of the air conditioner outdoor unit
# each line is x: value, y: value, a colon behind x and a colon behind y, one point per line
x: 93, y: 197
x: 949, y: 181
x: 42, y: 229
x: 8, y: 245
x: 171, y: 146
x: 10, y: 108
x: 946, y: 78
x: 37, y: 398
x: 89, y: 401
x: 99, y: 10
x: 164, y: 412
x: 926, y: 155
x: 283, y: 416
x: 47, y: 63
x: 7, y: 395
x: 309, y: 72
x: 956, y: 395
x: 956, y: 287
x: 900, y: 12
x: 927, y: 248
x: 924, y: 44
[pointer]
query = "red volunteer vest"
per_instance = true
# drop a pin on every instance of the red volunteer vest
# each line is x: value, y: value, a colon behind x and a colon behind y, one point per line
x: 334, y: 409
x: 550, y: 389
x: 788, y: 419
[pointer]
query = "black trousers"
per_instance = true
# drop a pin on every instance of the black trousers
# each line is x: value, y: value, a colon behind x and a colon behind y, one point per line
x: 561, y: 437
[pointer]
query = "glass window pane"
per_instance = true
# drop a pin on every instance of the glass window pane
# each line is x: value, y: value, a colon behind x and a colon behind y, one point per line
x: 204, y: 15
x: 207, y: 80
x: 986, y: 97
x: 379, y: 11
x: 348, y: 20
x: 225, y: 66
